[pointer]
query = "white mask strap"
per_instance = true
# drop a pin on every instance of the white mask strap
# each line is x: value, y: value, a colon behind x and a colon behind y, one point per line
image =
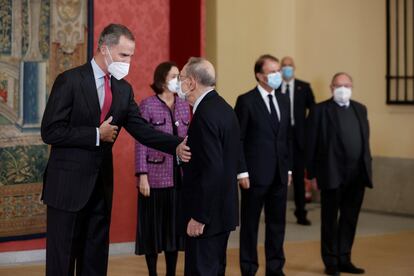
x: 110, y: 56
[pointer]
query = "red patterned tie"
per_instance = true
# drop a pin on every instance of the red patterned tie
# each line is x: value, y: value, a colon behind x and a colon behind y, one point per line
x: 107, y: 100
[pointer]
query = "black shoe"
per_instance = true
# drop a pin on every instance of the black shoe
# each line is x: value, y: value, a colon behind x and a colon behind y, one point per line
x: 351, y: 268
x: 304, y: 221
x: 332, y: 270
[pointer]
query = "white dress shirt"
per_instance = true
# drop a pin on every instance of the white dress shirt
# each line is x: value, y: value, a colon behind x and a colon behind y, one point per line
x: 100, y: 88
x: 265, y: 97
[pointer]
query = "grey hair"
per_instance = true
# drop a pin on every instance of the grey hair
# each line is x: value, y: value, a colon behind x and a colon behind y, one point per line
x: 340, y: 74
x: 197, y: 69
x: 111, y: 34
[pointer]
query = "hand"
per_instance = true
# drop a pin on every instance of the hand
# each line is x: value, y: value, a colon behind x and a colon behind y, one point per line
x: 144, y: 187
x: 108, y: 132
x: 195, y: 228
x: 244, y: 183
x: 290, y: 179
x: 183, y: 151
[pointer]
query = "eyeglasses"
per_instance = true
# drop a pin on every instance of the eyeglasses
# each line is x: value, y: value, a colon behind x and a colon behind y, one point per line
x: 182, y: 77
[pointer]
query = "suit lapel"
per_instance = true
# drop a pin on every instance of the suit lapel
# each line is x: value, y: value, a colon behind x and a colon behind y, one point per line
x: 296, y: 94
x: 280, y: 102
x: 88, y: 85
x: 261, y: 106
x: 360, y: 120
x: 333, y: 117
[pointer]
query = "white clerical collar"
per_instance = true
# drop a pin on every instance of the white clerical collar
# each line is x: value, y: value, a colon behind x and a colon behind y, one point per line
x: 343, y: 104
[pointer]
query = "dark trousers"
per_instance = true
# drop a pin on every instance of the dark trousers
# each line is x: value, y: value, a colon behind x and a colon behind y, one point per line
x: 78, y: 237
x: 298, y: 175
x: 252, y: 200
x: 206, y: 256
x: 337, y: 235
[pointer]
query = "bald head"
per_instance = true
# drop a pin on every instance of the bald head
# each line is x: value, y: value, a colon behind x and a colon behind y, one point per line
x: 341, y: 75
x: 288, y: 61
x: 288, y: 68
x: 341, y: 79
x: 201, y: 70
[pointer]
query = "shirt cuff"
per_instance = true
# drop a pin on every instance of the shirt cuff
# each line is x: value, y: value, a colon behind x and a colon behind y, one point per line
x: 97, y: 137
x: 242, y: 175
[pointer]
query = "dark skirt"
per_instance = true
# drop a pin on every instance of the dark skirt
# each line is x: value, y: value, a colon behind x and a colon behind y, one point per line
x: 157, y: 220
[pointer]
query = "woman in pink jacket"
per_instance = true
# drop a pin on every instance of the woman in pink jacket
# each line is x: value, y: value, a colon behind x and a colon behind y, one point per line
x: 157, y: 173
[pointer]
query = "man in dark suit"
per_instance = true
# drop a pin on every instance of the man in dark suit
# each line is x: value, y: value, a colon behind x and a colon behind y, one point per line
x: 86, y: 108
x: 301, y: 100
x: 264, y: 117
x: 209, y: 206
x: 338, y: 156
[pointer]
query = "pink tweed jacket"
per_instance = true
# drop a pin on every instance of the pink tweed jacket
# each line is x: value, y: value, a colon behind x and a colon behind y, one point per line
x: 159, y: 165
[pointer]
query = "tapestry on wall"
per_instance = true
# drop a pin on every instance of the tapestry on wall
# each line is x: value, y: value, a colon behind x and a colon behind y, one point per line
x: 38, y: 40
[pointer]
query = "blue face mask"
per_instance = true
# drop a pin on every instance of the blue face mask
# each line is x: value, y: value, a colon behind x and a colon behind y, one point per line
x: 287, y: 72
x: 274, y: 80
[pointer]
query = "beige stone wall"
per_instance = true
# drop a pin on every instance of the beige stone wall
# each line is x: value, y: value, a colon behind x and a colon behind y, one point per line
x: 324, y: 36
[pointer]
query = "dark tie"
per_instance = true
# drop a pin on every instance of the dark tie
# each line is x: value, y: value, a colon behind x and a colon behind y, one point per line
x: 107, y: 100
x: 291, y: 104
x: 273, y: 113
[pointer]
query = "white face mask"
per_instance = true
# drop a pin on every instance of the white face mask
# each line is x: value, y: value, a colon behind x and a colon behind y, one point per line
x: 180, y: 93
x: 274, y: 80
x: 173, y: 85
x: 342, y: 95
x: 116, y: 68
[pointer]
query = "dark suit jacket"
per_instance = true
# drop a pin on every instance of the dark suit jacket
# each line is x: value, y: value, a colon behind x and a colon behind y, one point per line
x: 325, y: 152
x: 303, y: 100
x: 69, y: 126
x: 265, y: 148
x: 209, y: 189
